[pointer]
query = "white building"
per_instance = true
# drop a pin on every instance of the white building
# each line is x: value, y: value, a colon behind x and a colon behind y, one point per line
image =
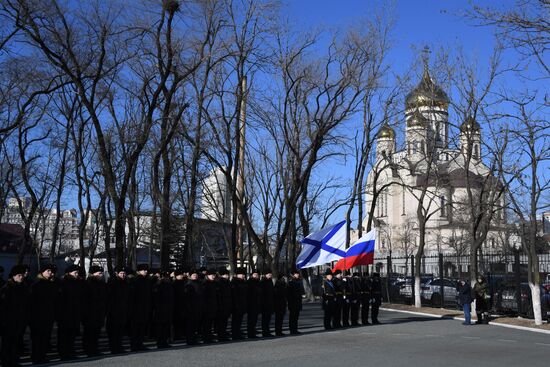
x: 216, y: 197
x: 400, y: 177
x: 43, y: 223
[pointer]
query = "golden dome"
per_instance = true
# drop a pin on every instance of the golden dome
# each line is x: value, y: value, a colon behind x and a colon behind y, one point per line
x: 386, y: 132
x: 417, y: 120
x: 470, y: 124
x: 426, y: 93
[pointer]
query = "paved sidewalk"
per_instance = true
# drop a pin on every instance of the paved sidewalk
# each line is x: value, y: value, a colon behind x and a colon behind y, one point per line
x: 515, y: 322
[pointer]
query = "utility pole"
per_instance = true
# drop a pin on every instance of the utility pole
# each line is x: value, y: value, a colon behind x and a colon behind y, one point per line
x: 240, y: 174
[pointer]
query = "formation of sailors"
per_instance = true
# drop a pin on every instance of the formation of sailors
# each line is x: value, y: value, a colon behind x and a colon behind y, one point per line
x: 185, y: 304
x: 202, y: 305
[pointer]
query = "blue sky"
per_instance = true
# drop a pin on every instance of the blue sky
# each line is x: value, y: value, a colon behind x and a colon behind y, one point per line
x: 417, y: 23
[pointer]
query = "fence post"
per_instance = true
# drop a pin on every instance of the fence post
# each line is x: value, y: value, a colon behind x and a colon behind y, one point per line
x: 388, y: 273
x: 441, y: 286
x: 412, y: 283
x: 517, y: 273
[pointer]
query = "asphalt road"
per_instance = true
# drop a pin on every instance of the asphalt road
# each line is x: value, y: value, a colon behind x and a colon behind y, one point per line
x: 402, y: 340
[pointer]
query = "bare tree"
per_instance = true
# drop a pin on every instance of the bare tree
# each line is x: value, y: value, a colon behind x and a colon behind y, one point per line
x: 524, y: 27
x: 406, y: 241
x: 531, y: 139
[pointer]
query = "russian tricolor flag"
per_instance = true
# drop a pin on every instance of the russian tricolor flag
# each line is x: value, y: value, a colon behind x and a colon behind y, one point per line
x: 360, y: 253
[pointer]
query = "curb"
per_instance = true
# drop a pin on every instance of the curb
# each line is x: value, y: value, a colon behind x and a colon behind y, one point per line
x: 524, y: 328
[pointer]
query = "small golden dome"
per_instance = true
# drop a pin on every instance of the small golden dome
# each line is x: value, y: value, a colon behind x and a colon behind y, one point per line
x: 426, y: 93
x: 470, y: 124
x: 417, y: 120
x: 386, y: 132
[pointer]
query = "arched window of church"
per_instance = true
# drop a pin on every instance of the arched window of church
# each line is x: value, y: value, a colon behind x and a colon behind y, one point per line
x: 476, y: 151
x: 422, y: 147
x: 415, y: 147
x: 443, y: 205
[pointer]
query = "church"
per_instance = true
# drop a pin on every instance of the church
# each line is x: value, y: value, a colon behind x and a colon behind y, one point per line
x: 431, y: 167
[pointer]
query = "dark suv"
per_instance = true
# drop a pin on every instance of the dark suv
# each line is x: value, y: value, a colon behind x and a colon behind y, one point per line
x: 506, y: 300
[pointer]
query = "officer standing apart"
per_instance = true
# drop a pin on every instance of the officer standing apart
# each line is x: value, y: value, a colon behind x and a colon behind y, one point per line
x: 43, y: 299
x: 295, y: 292
x: 329, y: 300
x: 376, y: 296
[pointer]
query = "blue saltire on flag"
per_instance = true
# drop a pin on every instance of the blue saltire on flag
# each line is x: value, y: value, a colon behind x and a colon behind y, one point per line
x: 323, y: 246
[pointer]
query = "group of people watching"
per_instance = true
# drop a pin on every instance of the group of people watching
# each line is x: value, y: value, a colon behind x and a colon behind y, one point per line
x: 184, y: 304
x: 480, y: 294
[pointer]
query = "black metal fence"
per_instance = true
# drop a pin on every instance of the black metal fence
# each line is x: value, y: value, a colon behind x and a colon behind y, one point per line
x: 506, y: 275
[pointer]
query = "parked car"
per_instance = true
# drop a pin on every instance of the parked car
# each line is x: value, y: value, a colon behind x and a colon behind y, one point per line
x: 506, y: 300
x: 405, y: 288
x: 431, y: 291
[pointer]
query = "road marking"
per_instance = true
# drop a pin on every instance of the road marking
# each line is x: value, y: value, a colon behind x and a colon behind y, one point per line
x: 545, y: 344
x: 471, y: 337
x: 507, y: 340
x: 368, y: 333
x: 401, y: 334
x: 432, y: 336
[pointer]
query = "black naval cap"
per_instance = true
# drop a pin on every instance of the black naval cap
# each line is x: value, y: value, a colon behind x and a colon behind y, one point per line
x: 72, y: 268
x: 328, y: 272
x: 141, y: 267
x: 96, y: 269
x: 45, y: 267
x: 18, y: 270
